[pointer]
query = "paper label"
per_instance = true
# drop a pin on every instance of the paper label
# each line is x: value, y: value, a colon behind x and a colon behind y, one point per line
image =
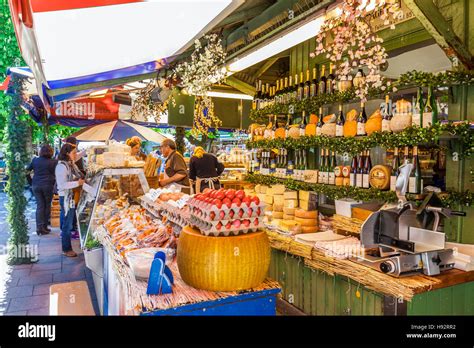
x: 385, y: 125
x: 365, y: 180
x: 339, y: 130
x: 318, y: 130
x: 332, y: 178
x: 352, y: 179
x: 360, y: 128
x: 416, y: 119
x: 311, y: 176
x: 359, y: 180
x: 412, y: 185
x: 393, y: 181
x: 427, y: 119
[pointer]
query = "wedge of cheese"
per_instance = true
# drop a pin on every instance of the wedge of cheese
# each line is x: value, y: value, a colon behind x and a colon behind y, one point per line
x: 268, y: 199
x: 276, y: 190
x: 308, y: 205
x: 301, y: 213
x: 278, y: 199
x: 288, y: 217
x: 268, y: 207
x: 289, y: 225
x: 308, y: 196
x: 261, y: 189
x: 276, y: 222
x: 278, y: 207
x: 306, y: 222
x: 290, y: 195
x: 261, y: 196
x: 289, y: 211
x: 291, y: 203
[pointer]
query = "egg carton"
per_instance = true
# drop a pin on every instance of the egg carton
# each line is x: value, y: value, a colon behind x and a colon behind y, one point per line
x: 204, y: 211
x: 210, y: 227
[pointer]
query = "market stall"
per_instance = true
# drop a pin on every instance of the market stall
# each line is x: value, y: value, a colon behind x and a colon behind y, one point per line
x: 124, y: 225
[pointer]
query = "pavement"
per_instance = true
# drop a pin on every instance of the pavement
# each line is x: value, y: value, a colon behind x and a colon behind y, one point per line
x: 24, y: 289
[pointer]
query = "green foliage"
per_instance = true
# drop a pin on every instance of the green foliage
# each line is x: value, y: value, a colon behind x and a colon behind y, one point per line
x: 353, y: 145
x: 409, y: 79
x: 448, y: 199
x: 17, y: 158
x: 92, y: 243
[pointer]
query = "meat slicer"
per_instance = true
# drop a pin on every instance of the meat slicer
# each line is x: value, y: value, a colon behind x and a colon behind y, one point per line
x: 401, y: 240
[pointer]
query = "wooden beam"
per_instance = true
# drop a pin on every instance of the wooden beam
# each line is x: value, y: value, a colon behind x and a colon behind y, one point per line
x: 434, y: 22
x: 240, y: 85
x: 266, y: 66
x: 287, y: 309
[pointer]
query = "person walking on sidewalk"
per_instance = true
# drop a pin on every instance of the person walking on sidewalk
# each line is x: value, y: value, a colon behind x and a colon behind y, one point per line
x: 43, y: 168
x: 68, y: 177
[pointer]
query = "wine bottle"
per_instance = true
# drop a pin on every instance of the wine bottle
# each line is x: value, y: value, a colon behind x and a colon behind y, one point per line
x: 319, y: 125
x: 314, y: 84
x: 353, y: 173
x: 430, y: 111
x: 301, y: 88
x: 406, y: 158
x: 417, y: 113
x: 287, y: 127
x: 326, y: 167
x: 303, y: 124
x: 360, y: 170
x: 296, y: 164
x: 274, y: 126
x: 307, y: 86
x: 295, y: 88
x: 277, y: 92
x: 321, y: 168
x: 361, y: 120
x: 255, y: 98
x: 387, y: 115
x: 331, y: 81
x: 332, y: 166
x: 284, y: 93
x: 366, y: 172
x: 322, y: 81
x: 340, y: 123
x: 414, y: 183
x: 289, y: 92
x: 395, y: 166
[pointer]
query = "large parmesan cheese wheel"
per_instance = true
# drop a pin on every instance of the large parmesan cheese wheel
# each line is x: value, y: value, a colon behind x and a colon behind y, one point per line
x: 280, y: 133
x: 310, y: 129
x: 301, y: 213
x: 350, y: 129
x: 379, y: 177
x: 223, y: 263
x: 294, y: 132
x: 329, y: 129
x: 289, y: 225
x: 288, y: 217
x: 306, y: 222
x: 309, y: 229
x: 399, y: 122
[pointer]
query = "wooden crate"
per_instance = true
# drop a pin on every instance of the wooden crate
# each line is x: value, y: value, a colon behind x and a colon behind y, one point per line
x: 54, y: 221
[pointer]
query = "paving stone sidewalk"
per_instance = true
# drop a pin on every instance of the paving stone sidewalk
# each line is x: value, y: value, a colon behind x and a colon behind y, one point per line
x: 24, y: 289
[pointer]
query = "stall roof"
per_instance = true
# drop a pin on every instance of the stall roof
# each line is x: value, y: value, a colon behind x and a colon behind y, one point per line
x: 80, y: 42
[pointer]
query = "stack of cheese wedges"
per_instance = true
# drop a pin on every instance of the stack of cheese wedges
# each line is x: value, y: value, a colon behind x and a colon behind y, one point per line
x: 275, y: 194
x: 307, y: 214
x: 288, y: 224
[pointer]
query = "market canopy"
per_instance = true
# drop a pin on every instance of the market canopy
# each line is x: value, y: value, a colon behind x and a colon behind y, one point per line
x: 119, y: 131
x: 80, y: 44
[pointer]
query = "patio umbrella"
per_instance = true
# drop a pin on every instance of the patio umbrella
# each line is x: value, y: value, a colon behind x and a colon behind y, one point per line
x: 119, y: 131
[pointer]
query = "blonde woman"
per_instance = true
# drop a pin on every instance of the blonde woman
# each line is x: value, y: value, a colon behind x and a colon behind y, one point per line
x: 135, y: 143
x: 204, y: 170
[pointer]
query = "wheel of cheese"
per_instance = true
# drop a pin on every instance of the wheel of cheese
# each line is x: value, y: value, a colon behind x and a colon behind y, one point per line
x: 277, y: 215
x: 309, y: 229
x: 300, y: 213
x: 289, y: 211
x: 288, y: 217
x: 223, y: 263
x: 306, y: 222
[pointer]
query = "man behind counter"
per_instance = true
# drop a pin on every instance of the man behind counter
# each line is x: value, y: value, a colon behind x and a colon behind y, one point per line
x: 176, y: 171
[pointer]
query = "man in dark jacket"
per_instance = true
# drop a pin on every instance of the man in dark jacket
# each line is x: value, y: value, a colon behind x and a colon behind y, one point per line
x: 204, y: 170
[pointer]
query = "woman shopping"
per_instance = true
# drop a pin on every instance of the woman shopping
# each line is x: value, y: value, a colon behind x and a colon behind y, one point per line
x: 68, y: 177
x: 43, y: 168
x: 204, y: 170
